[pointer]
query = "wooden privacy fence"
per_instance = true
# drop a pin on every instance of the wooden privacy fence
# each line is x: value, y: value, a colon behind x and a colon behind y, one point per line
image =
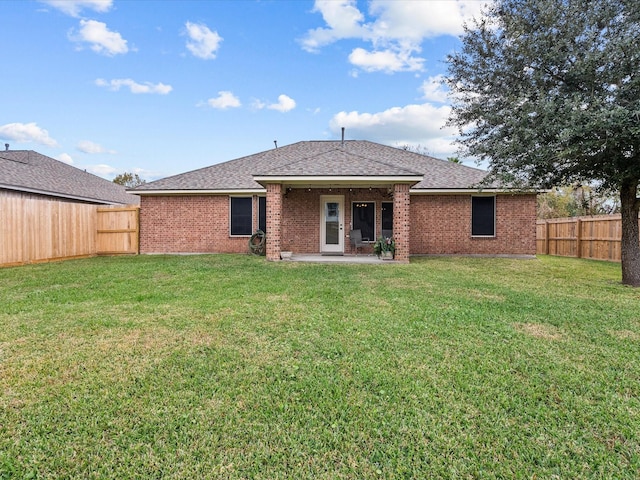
x: 33, y: 229
x: 597, y: 238
x: 118, y: 230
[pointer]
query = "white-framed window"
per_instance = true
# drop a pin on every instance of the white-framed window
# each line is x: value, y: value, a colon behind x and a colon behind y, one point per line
x: 363, y: 218
x: 241, y: 216
x: 483, y: 216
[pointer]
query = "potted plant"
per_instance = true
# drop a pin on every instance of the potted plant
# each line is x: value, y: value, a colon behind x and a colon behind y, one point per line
x: 384, y: 248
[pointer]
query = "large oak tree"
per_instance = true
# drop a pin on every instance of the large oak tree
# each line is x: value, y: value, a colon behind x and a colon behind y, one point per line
x: 547, y: 92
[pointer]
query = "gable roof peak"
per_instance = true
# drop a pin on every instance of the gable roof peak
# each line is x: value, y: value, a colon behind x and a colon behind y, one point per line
x: 319, y: 158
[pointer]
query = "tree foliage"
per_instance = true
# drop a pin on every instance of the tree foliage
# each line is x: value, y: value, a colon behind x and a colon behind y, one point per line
x: 129, y: 180
x: 547, y: 92
x: 576, y: 202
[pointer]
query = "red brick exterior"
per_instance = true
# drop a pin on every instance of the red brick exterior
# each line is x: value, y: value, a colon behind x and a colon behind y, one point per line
x: 188, y: 224
x: 274, y: 221
x: 434, y: 224
x: 401, y: 222
x: 442, y: 225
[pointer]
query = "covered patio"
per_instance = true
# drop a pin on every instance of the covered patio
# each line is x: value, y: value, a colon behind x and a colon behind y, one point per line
x: 316, y: 216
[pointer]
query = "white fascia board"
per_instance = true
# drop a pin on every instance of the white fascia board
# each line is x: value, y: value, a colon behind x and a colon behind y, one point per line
x: 466, y: 191
x: 336, y: 180
x: 239, y: 191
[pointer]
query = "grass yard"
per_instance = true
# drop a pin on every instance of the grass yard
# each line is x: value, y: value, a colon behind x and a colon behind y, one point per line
x: 232, y: 367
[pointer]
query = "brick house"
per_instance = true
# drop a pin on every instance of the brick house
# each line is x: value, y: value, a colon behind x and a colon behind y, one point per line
x: 308, y: 196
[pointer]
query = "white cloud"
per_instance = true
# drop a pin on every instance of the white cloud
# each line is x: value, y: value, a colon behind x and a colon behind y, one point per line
x: 395, y: 32
x: 134, y: 87
x: 433, y: 90
x: 343, y: 19
x: 87, y: 146
x: 101, y: 170
x: 224, y: 100
x: 74, y: 7
x: 26, y: 133
x: 148, y: 175
x: 386, y: 60
x: 100, y: 38
x: 419, y: 20
x: 409, y: 125
x: 284, y: 104
x: 203, y: 42
x: 257, y: 104
x: 66, y: 158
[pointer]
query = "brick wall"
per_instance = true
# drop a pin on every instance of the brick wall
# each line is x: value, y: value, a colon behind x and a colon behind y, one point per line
x: 402, y: 222
x: 442, y: 225
x: 274, y: 221
x: 439, y: 224
x: 188, y: 224
x: 301, y: 218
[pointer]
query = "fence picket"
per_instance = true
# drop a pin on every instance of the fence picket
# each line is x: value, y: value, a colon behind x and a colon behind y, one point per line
x: 36, y: 229
x: 596, y: 238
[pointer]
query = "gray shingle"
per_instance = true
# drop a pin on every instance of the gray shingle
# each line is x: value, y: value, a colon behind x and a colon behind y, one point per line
x: 337, y: 162
x: 26, y: 170
x: 323, y: 158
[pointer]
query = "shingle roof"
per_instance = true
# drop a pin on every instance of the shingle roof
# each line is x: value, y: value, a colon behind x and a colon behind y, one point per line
x: 29, y: 171
x: 337, y: 161
x: 323, y: 158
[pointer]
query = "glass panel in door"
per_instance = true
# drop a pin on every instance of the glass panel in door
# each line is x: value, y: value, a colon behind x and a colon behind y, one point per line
x: 332, y: 221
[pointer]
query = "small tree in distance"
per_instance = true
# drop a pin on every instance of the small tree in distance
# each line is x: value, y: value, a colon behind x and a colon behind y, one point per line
x: 422, y: 150
x: 129, y: 180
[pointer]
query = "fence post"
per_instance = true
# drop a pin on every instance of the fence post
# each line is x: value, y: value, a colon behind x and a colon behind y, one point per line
x: 547, y: 229
x: 579, y: 237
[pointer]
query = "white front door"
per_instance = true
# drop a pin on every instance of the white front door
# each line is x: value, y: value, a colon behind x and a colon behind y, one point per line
x: 332, y: 224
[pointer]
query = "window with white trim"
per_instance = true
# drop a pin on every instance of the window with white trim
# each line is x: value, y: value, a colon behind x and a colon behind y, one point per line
x: 483, y: 216
x: 241, y: 215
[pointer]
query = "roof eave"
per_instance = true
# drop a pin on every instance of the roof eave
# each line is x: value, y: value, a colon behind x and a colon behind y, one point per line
x: 60, y: 195
x: 335, y: 180
x: 458, y: 191
x: 227, y: 191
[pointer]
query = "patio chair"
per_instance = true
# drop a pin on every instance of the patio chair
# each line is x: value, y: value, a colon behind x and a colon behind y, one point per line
x: 355, y: 237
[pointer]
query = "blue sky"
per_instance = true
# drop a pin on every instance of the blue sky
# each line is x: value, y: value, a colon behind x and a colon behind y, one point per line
x: 163, y: 87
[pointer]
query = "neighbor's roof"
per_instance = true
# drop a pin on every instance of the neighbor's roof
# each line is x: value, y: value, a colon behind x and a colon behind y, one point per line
x: 29, y: 171
x: 326, y: 159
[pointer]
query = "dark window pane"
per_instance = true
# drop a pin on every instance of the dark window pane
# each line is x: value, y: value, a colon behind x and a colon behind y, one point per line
x: 262, y: 213
x: 387, y: 219
x: 364, y: 219
x: 483, y: 214
x: 241, y: 210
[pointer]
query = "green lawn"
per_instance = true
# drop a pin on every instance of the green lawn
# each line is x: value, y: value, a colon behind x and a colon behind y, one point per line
x: 234, y: 367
